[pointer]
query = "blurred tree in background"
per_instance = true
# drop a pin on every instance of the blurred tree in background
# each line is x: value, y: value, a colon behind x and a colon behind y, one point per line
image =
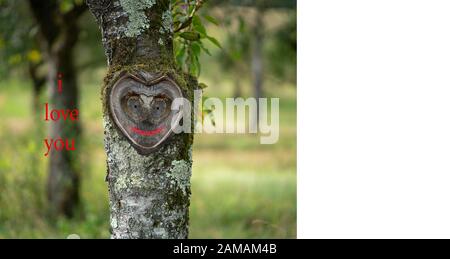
x: 53, y: 29
x: 58, y: 32
x: 19, y: 47
x: 247, y: 48
x: 236, y: 54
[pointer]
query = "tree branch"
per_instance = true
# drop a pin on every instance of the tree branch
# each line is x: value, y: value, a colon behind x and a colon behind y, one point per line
x: 76, y: 12
x: 44, y: 12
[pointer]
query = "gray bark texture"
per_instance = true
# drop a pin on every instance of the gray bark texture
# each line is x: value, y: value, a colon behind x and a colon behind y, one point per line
x: 149, y: 194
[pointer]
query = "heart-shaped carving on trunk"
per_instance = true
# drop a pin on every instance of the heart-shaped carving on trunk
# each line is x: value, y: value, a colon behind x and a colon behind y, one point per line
x: 142, y: 108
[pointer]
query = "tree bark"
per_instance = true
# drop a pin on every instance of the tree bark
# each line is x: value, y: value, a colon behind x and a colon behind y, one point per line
x: 59, y: 34
x: 257, y: 58
x: 237, y: 92
x: 38, y: 83
x: 149, y: 194
x: 64, y: 172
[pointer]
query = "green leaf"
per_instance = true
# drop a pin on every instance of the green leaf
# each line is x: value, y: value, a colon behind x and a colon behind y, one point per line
x: 202, y: 85
x: 199, y: 67
x: 207, y: 111
x: 211, y: 19
x: 214, y: 41
x: 183, y: 19
x: 196, y: 49
x: 66, y: 5
x: 210, y: 114
x: 180, y: 56
x: 205, y: 50
x: 194, y: 66
x: 198, y: 26
x: 190, y: 35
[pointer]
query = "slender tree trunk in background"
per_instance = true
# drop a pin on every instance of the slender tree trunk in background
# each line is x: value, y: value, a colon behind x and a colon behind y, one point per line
x: 64, y: 172
x: 257, y: 57
x: 149, y: 194
x: 237, y: 86
x: 59, y: 34
x: 38, y: 84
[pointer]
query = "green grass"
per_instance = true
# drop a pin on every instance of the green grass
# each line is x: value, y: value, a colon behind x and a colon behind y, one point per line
x: 240, y: 189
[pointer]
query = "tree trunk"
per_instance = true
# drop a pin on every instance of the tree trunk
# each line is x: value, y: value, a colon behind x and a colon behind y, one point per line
x: 237, y: 85
x: 38, y: 83
x: 149, y: 194
x: 257, y: 58
x: 64, y: 172
x: 59, y: 34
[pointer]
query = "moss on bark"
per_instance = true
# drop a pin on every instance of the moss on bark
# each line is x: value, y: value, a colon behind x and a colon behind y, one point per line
x: 149, y: 194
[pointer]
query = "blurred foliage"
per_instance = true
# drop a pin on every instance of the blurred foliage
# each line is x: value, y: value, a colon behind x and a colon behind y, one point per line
x: 258, y: 3
x: 236, y: 52
x: 282, y: 50
x: 279, y: 40
x: 67, y: 5
x: 18, y: 44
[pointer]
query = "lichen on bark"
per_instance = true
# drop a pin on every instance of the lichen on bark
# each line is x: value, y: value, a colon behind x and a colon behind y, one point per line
x: 144, y: 202
x: 137, y: 20
x: 166, y: 26
x: 149, y: 194
x: 180, y: 173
